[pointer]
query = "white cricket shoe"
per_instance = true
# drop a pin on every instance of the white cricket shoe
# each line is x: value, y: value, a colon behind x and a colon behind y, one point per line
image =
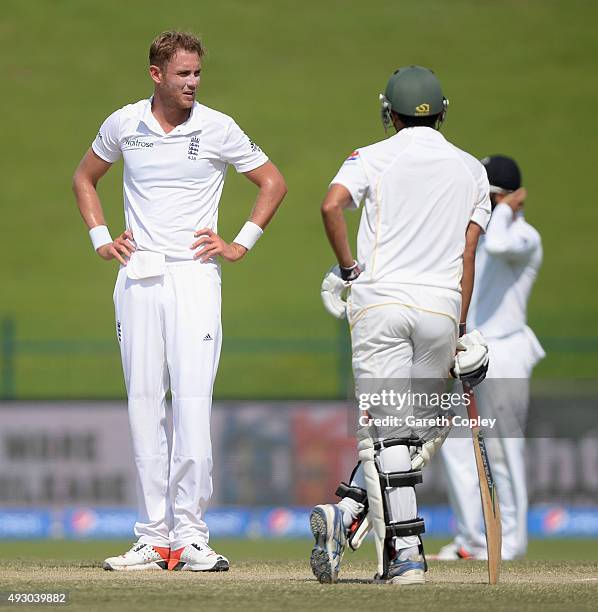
x: 451, y: 552
x: 140, y: 557
x: 197, y: 557
x: 326, y: 523
x: 407, y: 571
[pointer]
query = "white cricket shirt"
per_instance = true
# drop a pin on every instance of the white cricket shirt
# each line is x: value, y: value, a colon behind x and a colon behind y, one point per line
x: 173, y: 182
x: 507, y: 262
x: 420, y: 194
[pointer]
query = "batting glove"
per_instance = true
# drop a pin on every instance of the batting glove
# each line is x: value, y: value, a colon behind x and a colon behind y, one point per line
x: 334, y: 289
x: 471, y: 360
x: 351, y: 273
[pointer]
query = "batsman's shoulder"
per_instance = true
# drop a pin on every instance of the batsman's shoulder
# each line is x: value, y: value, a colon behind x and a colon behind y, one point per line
x: 366, y: 153
x: 468, y: 158
x: 375, y: 157
x: 474, y: 165
x: 375, y: 148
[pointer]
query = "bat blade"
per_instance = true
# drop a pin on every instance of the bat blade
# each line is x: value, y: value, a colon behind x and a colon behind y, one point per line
x: 488, y: 494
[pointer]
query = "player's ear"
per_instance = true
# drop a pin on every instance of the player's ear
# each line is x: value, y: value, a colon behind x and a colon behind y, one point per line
x: 398, y: 124
x: 156, y: 74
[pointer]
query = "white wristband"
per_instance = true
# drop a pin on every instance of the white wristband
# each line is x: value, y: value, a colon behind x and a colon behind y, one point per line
x: 99, y: 236
x: 250, y: 233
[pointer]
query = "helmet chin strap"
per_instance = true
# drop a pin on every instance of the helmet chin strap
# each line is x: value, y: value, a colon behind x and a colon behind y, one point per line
x: 442, y: 116
x: 385, y: 113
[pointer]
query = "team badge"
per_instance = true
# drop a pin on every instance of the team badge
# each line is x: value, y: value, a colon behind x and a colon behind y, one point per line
x: 193, y: 149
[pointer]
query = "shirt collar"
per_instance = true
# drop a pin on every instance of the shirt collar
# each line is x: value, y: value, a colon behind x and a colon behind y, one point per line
x: 193, y: 123
x: 422, y: 131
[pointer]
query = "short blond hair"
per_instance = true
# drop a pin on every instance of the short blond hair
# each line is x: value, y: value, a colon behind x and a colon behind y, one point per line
x: 165, y: 46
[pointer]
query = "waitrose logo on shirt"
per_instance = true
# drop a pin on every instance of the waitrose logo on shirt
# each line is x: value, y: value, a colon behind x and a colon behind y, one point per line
x: 136, y: 143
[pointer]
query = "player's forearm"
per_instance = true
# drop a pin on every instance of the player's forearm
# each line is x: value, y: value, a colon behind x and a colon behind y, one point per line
x: 269, y: 198
x: 467, y: 281
x: 507, y: 239
x: 336, y: 230
x: 272, y: 189
x: 88, y: 173
x: 88, y: 201
x: 472, y: 235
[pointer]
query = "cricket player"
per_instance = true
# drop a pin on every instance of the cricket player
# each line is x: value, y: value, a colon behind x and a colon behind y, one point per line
x: 176, y: 152
x: 426, y: 204
x: 507, y: 264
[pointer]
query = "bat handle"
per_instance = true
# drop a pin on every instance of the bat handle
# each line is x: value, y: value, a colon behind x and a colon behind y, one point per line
x: 472, y: 407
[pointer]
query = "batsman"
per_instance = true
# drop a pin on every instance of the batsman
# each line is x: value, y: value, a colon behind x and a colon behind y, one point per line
x: 425, y: 204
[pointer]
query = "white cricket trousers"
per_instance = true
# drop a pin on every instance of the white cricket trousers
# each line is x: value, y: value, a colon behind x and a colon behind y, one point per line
x: 504, y: 396
x: 399, y: 334
x: 170, y: 335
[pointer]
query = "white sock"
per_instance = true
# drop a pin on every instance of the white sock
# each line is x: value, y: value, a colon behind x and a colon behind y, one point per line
x: 406, y: 553
x: 350, y: 509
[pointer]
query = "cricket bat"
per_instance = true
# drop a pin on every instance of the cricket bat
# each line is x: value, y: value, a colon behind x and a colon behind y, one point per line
x: 487, y: 492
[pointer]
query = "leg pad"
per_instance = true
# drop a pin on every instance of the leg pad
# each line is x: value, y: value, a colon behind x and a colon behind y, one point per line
x: 355, y: 493
x: 400, y: 479
x: 402, y: 529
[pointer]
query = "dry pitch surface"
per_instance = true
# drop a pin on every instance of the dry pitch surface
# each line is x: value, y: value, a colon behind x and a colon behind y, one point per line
x: 287, y: 584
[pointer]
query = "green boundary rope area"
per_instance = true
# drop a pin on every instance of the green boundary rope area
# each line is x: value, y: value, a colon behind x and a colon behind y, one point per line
x: 338, y: 350
x: 45, y: 351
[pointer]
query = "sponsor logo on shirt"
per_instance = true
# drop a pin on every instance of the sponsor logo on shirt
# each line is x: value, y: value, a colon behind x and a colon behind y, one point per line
x: 353, y: 156
x: 132, y: 143
x: 193, y: 149
x: 254, y: 147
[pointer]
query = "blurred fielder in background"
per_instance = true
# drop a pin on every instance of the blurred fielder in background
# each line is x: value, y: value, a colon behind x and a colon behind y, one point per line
x: 426, y: 204
x: 507, y: 263
x: 167, y: 295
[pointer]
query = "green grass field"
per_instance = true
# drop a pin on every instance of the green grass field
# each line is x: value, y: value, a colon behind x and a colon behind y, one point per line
x: 302, y: 79
x: 275, y: 575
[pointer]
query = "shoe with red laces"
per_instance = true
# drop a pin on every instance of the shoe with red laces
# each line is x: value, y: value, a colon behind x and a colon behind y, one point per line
x: 197, y: 557
x: 140, y: 557
x: 451, y: 552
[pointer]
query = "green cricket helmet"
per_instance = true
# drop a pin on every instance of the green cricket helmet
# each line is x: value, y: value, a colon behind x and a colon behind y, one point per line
x: 413, y: 91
